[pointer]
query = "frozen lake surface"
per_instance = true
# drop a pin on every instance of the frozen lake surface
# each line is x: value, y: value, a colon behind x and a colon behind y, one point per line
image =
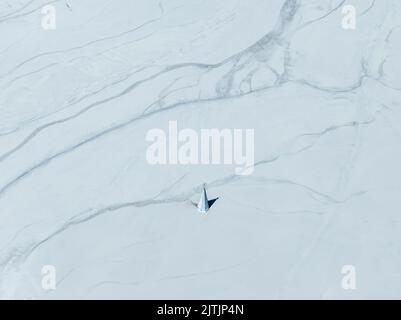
x: 81, y: 206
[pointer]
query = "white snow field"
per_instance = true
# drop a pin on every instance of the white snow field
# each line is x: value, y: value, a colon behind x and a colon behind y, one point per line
x: 79, y: 198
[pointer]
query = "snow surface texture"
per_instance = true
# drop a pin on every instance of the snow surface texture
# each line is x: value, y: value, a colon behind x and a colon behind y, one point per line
x: 77, y: 193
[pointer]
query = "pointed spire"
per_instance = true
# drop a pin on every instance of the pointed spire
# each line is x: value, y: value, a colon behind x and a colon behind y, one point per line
x: 203, y: 205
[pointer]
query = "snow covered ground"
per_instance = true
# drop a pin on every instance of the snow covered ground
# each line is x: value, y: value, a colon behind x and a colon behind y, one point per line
x: 77, y: 192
